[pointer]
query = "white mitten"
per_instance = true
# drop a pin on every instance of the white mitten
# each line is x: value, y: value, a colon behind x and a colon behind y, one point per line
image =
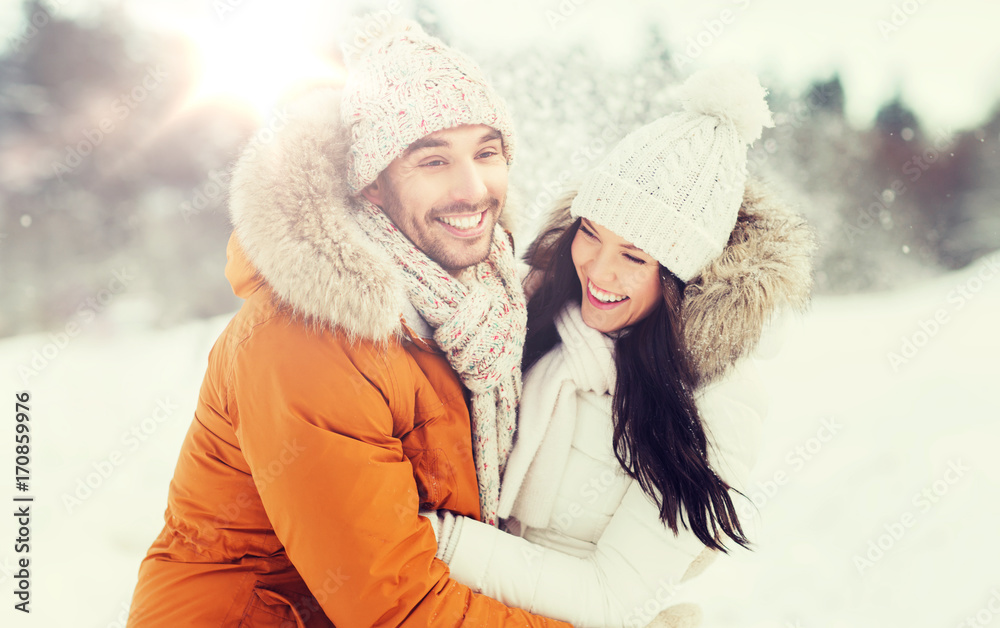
x: 678, y: 616
x: 447, y: 527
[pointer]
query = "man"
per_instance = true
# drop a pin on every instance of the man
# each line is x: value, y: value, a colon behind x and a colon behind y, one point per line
x: 380, y: 296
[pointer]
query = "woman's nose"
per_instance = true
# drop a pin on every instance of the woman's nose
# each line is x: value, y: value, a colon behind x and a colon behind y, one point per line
x: 601, y: 271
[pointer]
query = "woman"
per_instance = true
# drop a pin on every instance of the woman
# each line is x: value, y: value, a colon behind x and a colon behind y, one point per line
x: 640, y: 412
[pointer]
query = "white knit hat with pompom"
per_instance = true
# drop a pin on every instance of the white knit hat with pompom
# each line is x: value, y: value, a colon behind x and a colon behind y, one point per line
x: 403, y: 85
x: 673, y: 188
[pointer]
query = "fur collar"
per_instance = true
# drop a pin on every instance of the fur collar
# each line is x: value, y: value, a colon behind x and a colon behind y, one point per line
x: 766, y: 269
x: 290, y: 210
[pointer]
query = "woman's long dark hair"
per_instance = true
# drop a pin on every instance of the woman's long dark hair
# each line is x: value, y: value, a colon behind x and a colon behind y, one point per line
x: 658, y: 436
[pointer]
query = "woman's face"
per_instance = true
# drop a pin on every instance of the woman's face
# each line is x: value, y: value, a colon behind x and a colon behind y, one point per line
x: 620, y: 283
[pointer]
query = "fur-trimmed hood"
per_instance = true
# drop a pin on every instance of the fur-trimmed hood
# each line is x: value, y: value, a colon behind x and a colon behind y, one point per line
x: 291, y: 211
x: 290, y: 206
x: 765, y: 270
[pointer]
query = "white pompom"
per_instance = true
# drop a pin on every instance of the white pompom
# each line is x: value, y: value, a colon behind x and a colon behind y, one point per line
x: 368, y: 32
x: 730, y: 93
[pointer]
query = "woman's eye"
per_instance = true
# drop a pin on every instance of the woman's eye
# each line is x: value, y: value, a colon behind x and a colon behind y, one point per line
x: 634, y: 259
x: 587, y: 233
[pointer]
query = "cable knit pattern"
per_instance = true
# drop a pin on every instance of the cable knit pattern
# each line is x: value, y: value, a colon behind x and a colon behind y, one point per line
x: 479, y: 323
x: 673, y: 187
x: 406, y: 85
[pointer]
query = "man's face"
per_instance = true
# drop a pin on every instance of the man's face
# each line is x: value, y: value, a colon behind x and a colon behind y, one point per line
x: 446, y: 192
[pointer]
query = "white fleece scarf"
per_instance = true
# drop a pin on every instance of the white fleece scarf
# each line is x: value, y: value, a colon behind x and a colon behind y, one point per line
x: 583, y: 361
x: 479, y: 323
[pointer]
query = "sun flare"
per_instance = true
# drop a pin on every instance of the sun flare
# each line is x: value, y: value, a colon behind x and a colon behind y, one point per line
x: 259, y: 52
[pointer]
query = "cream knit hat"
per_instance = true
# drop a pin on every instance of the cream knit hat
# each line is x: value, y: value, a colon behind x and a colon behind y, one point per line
x: 673, y: 187
x: 405, y: 85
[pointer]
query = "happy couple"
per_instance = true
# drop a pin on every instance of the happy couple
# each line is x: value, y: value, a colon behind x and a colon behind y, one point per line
x: 391, y: 433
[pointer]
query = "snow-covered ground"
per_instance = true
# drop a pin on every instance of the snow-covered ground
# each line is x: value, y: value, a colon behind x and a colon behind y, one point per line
x: 878, y: 484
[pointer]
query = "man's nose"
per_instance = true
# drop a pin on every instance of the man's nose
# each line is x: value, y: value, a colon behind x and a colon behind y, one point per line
x: 467, y: 184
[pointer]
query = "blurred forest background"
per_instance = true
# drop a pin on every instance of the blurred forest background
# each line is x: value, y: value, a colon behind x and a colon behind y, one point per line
x: 106, y: 167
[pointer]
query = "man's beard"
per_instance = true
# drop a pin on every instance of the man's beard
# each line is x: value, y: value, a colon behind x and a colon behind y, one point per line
x: 440, y: 252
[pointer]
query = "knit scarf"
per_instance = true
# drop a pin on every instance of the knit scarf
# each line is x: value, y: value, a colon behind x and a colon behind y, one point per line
x: 479, y: 323
x: 582, y: 362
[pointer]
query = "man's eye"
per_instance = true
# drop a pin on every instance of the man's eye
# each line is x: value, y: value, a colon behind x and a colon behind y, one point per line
x: 486, y: 154
x: 436, y: 162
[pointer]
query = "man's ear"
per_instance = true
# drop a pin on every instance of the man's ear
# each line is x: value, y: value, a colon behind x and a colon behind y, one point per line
x: 373, y: 192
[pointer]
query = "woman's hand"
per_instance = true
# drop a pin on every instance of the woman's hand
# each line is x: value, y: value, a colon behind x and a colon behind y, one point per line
x: 677, y: 616
x: 447, y: 527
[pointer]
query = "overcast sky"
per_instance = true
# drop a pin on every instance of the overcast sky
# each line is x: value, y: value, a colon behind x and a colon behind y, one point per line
x: 942, y: 56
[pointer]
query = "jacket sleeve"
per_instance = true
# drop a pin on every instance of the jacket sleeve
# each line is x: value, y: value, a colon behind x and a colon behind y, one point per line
x: 318, y: 435
x: 638, y: 562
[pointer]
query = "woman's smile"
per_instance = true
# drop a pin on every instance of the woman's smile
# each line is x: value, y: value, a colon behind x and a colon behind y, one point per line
x: 619, y: 284
x: 602, y: 298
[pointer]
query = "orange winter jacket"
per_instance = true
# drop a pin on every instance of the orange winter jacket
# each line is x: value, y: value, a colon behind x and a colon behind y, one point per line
x: 295, y: 497
x: 322, y: 426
